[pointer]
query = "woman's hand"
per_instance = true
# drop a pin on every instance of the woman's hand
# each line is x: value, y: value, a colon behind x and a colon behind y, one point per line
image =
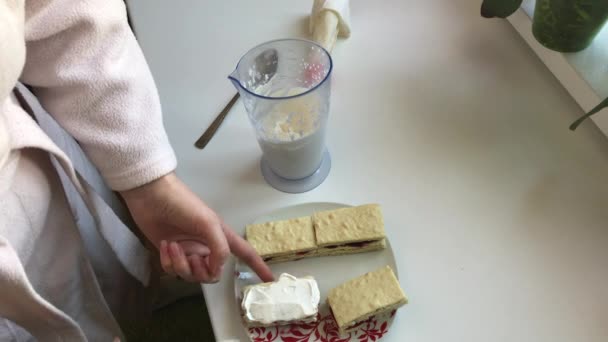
x: 193, y: 241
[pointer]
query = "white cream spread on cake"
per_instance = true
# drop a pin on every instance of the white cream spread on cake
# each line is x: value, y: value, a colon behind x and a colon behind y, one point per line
x: 288, y: 299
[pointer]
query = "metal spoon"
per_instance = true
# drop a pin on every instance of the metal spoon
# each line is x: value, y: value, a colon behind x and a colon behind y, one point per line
x: 266, y: 62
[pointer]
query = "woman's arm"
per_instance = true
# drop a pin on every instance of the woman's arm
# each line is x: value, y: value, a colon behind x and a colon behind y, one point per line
x: 88, y: 71
x: 86, y: 68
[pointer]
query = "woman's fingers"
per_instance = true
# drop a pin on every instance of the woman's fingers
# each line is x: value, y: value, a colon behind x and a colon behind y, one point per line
x: 220, y: 251
x: 180, y: 264
x: 192, y: 247
x: 188, y: 259
x: 165, y: 258
x: 204, y: 262
x: 200, y: 270
x: 243, y: 250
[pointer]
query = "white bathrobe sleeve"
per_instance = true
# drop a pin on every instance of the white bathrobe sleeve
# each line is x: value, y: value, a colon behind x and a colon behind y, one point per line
x: 88, y: 71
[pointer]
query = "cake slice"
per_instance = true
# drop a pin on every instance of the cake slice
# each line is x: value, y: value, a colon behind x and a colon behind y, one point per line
x: 371, y: 294
x: 349, y: 230
x: 282, y: 240
x: 333, y: 232
x: 289, y: 300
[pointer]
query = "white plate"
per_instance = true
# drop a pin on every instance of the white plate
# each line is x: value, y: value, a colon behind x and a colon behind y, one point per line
x: 329, y: 271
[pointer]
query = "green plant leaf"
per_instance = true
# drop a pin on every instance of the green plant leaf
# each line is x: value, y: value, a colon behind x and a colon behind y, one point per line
x: 596, y: 109
x: 499, y: 8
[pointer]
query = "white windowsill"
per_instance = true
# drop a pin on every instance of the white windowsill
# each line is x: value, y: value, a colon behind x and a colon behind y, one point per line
x: 584, y: 74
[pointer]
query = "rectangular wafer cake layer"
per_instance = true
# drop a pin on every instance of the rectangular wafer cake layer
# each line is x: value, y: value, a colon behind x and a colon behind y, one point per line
x: 348, y: 225
x: 341, y: 231
x: 352, y: 248
x: 312, y: 319
x: 365, y: 296
x: 286, y: 237
x: 325, y: 251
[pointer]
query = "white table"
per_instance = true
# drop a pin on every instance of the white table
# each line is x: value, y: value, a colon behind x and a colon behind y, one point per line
x: 499, y: 212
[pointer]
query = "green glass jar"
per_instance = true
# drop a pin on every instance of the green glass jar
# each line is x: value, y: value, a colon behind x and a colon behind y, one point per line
x: 568, y: 25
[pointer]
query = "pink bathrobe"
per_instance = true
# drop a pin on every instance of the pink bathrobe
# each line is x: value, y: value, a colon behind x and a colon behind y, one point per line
x: 85, y: 67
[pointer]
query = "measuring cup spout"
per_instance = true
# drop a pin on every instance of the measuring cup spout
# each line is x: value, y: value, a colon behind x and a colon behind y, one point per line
x: 233, y: 77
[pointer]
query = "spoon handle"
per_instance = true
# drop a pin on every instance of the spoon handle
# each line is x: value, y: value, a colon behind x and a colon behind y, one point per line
x: 210, y: 132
